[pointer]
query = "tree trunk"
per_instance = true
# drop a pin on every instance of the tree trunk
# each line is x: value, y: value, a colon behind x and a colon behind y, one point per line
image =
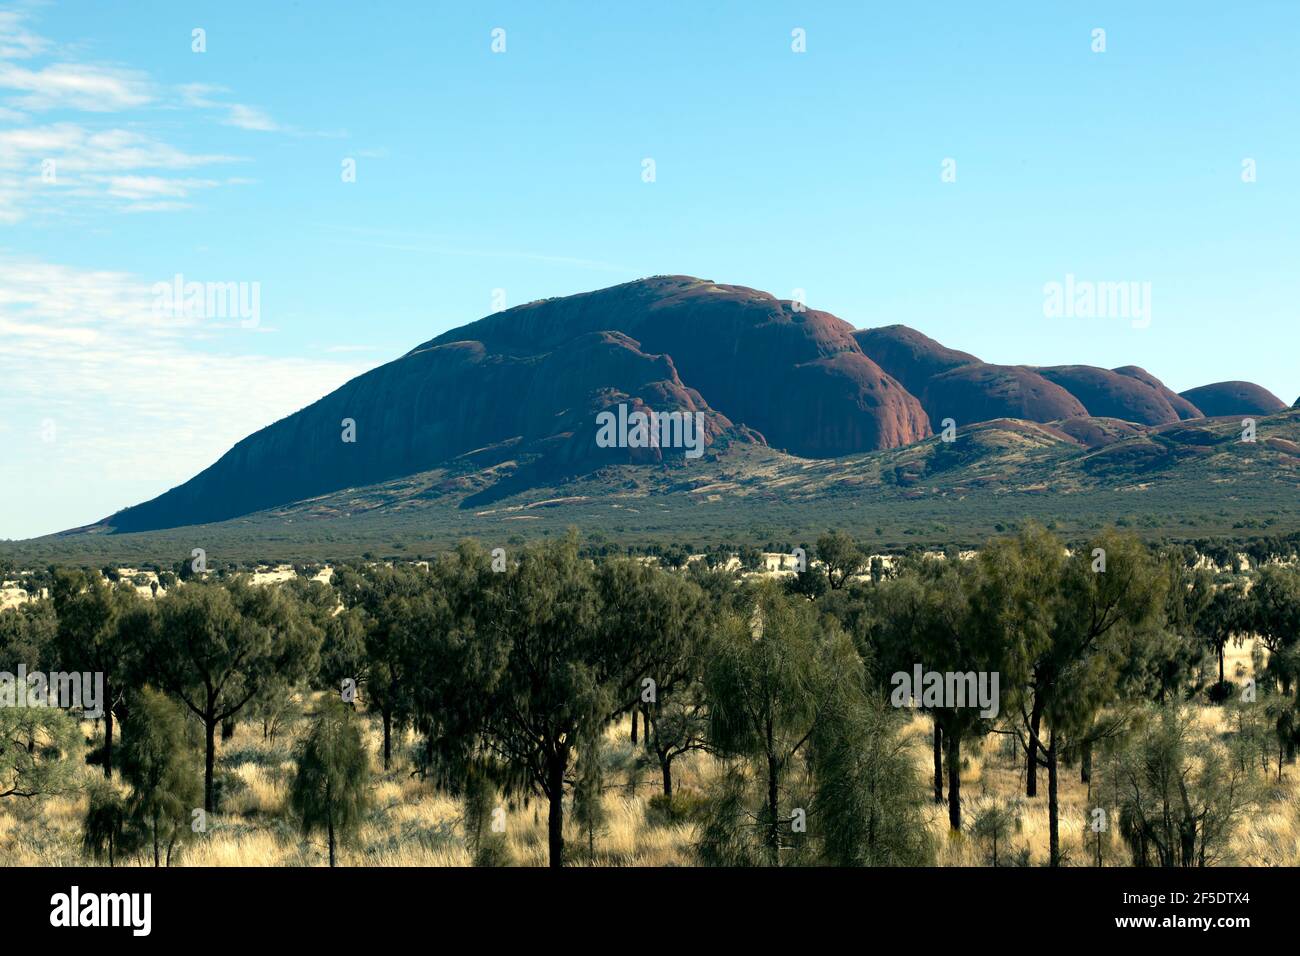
x: 773, y: 826
x: 555, y: 818
x: 1031, y: 771
x: 108, y: 735
x: 1085, y: 762
x: 329, y: 817
x: 156, y: 858
x: 666, y: 765
x: 1053, y: 823
x: 938, y: 762
x: 1220, y: 663
x: 954, y: 780
x: 635, y: 712
x: 388, y: 736
x: 209, y: 760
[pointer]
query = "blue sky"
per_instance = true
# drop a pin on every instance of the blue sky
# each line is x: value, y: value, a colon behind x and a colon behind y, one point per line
x: 522, y: 171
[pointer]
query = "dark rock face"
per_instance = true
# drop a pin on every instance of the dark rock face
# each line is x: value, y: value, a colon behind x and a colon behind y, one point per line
x: 977, y: 393
x: 796, y: 376
x: 522, y: 393
x: 1108, y: 394
x: 431, y: 406
x: 1234, y: 398
x: 531, y: 381
x: 910, y: 357
x: 1182, y: 406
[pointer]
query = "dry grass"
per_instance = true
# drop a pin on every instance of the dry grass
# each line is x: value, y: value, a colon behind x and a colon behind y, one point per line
x: 413, y: 824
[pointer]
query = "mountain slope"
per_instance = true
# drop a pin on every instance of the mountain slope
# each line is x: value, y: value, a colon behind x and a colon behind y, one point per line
x: 977, y: 393
x: 909, y: 356
x: 1108, y: 394
x: 530, y: 382
x: 1182, y: 406
x: 795, y: 375
x: 509, y: 406
x: 1234, y: 398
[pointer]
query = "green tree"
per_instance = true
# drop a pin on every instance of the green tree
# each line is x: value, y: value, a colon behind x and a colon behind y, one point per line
x: 589, y: 790
x: 1273, y: 612
x: 330, y: 791
x: 568, y: 668
x: 161, y: 764
x: 215, y: 646
x: 930, y: 622
x: 35, y: 744
x: 1223, y: 616
x: 1178, y: 792
x: 390, y: 599
x: 1072, y: 622
x: 770, y: 679
x: 106, y: 828
x: 868, y: 807
x: 89, y: 638
x: 842, y: 558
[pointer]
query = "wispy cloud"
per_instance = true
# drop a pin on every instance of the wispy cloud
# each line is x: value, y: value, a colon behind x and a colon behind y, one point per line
x: 69, y: 167
x: 16, y: 40
x: 98, y: 384
x: 76, y: 86
x: 54, y: 167
x: 208, y: 96
x: 249, y: 117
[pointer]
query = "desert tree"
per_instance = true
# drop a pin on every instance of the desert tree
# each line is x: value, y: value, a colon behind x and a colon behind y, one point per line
x: 589, y: 789
x: 454, y: 668
x: 568, y: 667
x: 214, y: 646
x: 161, y: 763
x: 995, y: 824
x: 1178, y: 792
x: 36, y: 744
x: 931, y: 624
x: 106, y: 828
x: 868, y: 804
x: 1071, y: 623
x: 89, y: 639
x: 330, y: 789
x: 841, y: 557
x: 1222, y: 615
x: 770, y: 679
x: 27, y: 635
x: 665, y: 620
x: 390, y: 598
x: 1273, y: 613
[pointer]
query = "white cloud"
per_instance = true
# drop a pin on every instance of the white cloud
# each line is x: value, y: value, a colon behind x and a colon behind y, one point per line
x: 76, y: 86
x: 153, y: 187
x: 249, y: 117
x: 65, y: 168
x: 16, y: 41
x: 112, y: 170
x: 139, y: 402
